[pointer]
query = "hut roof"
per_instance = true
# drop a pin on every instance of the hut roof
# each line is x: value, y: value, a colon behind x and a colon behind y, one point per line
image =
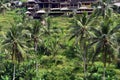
x: 30, y: 8
x: 41, y: 11
x: 117, y: 4
x: 64, y: 8
x: 28, y: 12
x: 31, y: 1
x: 83, y: 7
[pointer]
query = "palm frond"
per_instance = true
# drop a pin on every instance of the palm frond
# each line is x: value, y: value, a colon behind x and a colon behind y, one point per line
x: 97, y: 51
x: 96, y: 32
x: 115, y: 29
x: 20, y: 49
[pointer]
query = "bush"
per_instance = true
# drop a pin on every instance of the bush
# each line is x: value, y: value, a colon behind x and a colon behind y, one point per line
x: 24, y: 71
x: 96, y: 73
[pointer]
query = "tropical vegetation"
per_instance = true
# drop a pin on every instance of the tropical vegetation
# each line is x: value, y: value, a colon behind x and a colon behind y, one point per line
x: 82, y: 47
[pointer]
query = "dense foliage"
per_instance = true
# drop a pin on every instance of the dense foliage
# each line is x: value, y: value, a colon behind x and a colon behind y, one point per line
x: 82, y: 47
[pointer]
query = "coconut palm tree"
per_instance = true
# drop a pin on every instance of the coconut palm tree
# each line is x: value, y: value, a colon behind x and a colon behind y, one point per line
x: 104, y: 40
x: 46, y: 22
x: 81, y: 33
x: 34, y: 31
x: 14, y: 43
x: 3, y: 7
x: 118, y: 50
x: 50, y: 35
x: 103, y: 8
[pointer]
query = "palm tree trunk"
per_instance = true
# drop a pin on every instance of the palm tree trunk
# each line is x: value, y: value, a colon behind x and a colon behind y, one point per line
x: 85, y: 65
x: 85, y: 59
x: 35, y: 45
x: 85, y: 71
x: 104, y: 58
x: 13, y: 72
x: 13, y: 58
x: 35, y: 49
x: 104, y: 78
x: 36, y: 69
